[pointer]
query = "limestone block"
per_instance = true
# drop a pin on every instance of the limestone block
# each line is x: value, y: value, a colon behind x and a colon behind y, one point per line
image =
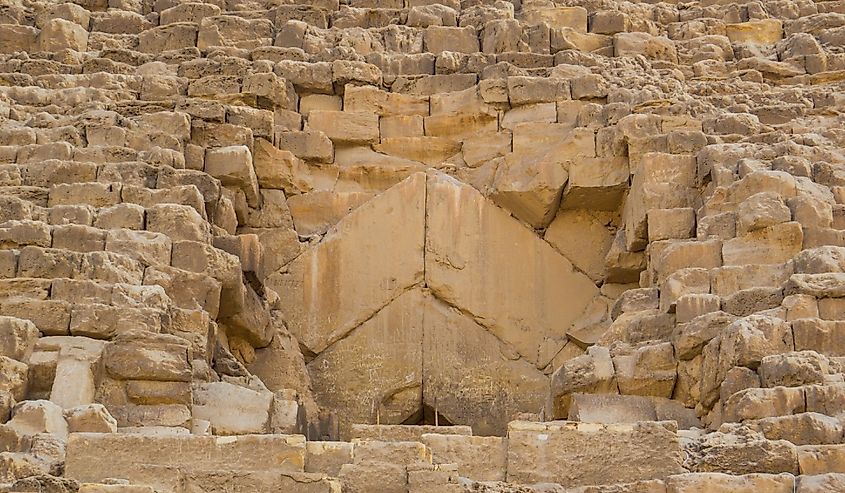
x: 666, y: 224
x: 32, y: 417
x: 79, y: 238
x: 822, y: 483
x: 343, y: 269
x: 17, y: 338
x: 15, y: 37
x: 690, y: 306
x: 771, y: 245
x: 459, y: 256
x: 723, y: 483
x: 17, y: 466
x: 15, y: 234
x: 635, y: 300
x: 345, y: 72
x: 466, y: 365
x: 527, y: 90
x: 660, y: 181
x: 764, y: 403
x: 309, y: 145
x: 230, y: 30
x: 232, y: 165
x: 679, y: 255
x: 596, y: 183
x: 74, y: 381
x: 90, y: 418
x: 374, y: 100
x: 51, y: 317
x: 820, y: 260
x: 385, y: 385
x: 820, y: 459
x: 559, y: 17
x: 324, y: 102
x: 592, y: 373
x: 607, y: 408
x: 458, y: 39
x: 271, y: 90
x: 405, y: 433
x: 188, y: 12
x: 762, y: 31
x: 823, y: 336
x: 530, y: 187
x: 13, y: 377
x: 189, y: 290
x: 577, y: 454
x: 85, y: 452
x: 802, y: 429
x: 761, y: 210
x: 460, y: 125
x: 583, y: 237
x: 148, y: 248
x: 478, y: 458
x: 430, y: 150
x: 222, y: 266
x: 139, y: 356
x: 231, y: 409
x: 114, y: 488
x: 178, y: 222
x: 377, y: 476
x: 170, y: 37
x: 47, y: 263
x: 652, y: 47
x: 118, y: 22
x: 648, y: 370
x: 827, y: 285
x: 327, y: 457
x: 59, y: 34
x: 432, y: 15
x: 316, y: 212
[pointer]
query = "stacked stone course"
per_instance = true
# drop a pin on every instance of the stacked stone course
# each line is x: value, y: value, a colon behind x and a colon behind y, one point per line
x: 422, y: 246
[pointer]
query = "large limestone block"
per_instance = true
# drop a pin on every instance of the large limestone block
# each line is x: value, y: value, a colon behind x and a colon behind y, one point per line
x: 658, y: 48
x: 579, y: 454
x: 761, y: 31
x: 232, y: 409
x: 478, y: 458
x: 772, y: 245
x: 360, y: 266
x: 375, y: 372
x: 465, y: 366
x: 346, y: 127
x: 316, y: 212
x: 60, y: 34
x: 405, y: 433
x: 660, y: 181
x: 125, y: 451
x: 232, y: 165
x: 715, y: 482
x: 13, y: 377
x: 142, y: 356
x: 583, y: 237
x: 596, y: 183
x: 560, y: 17
x: 17, y: 338
x: 486, y: 263
x: 530, y: 187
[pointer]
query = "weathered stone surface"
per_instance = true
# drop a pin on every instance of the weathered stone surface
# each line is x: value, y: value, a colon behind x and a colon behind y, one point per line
x: 283, y: 453
x: 332, y: 288
x: 578, y: 454
x: 387, y: 383
x: 458, y: 270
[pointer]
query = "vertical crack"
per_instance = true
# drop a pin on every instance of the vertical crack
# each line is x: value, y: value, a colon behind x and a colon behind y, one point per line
x: 425, y: 296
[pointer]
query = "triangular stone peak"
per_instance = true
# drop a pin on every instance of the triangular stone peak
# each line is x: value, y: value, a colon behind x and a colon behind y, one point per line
x: 431, y: 295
